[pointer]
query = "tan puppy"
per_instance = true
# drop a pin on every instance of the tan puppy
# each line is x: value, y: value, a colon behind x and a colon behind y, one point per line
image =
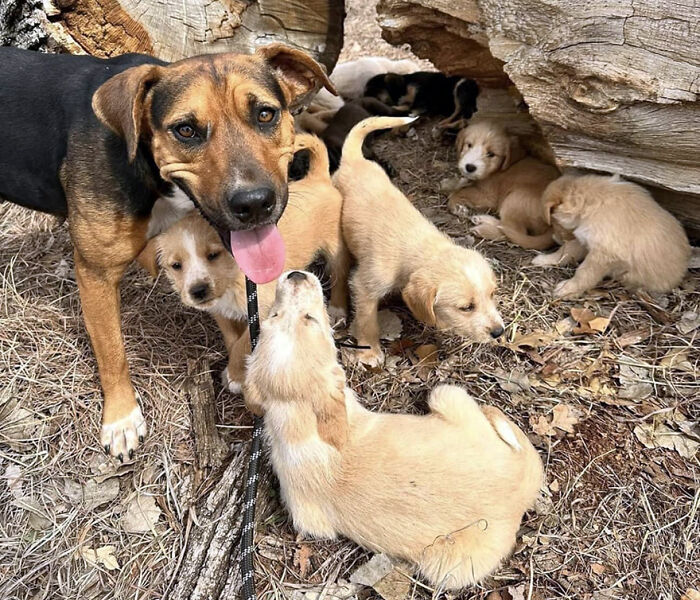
x: 501, y: 177
x: 207, y: 277
x: 398, y: 249
x: 620, y: 230
x: 445, y: 491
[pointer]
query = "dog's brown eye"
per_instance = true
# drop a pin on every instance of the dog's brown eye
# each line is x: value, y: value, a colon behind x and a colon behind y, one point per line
x: 176, y: 266
x: 185, y: 131
x: 490, y: 154
x: 213, y: 255
x: 469, y: 145
x: 468, y: 308
x: 266, y: 115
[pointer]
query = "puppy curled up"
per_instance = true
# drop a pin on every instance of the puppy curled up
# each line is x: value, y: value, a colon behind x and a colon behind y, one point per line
x: 445, y: 491
x: 500, y: 176
x: 207, y: 277
x: 398, y: 250
x: 618, y: 230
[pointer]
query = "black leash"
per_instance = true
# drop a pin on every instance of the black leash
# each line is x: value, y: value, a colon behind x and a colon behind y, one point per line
x: 251, y: 490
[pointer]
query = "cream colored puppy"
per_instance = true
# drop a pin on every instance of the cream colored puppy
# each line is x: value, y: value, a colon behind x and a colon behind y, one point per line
x: 618, y: 230
x: 500, y: 177
x: 207, y: 277
x: 445, y: 491
x: 398, y: 249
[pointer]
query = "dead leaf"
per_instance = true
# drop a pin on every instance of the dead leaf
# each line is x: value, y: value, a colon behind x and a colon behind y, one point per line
x: 554, y: 486
x: 302, y: 559
x: 39, y: 518
x: 677, y: 359
x: 13, y: 476
x: 632, y: 337
x: 517, y: 592
x: 541, y: 426
x: 632, y: 376
x: 660, y: 435
x: 514, y: 382
x: 531, y: 341
x: 141, y: 515
x: 564, y: 417
x: 91, y: 494
x: 588, y: 322
x: 598, y: 569
x: 103, y: 556
x: 427, y: 355
x: 390, y: 325
x: 689, y: 321
x: 565, y: 326
x: 380, y: 573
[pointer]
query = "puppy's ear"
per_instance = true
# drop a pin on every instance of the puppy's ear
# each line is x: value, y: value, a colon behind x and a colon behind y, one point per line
x: 300, y: 75
x: 253, y: 399
x: 514, y: 152
x: 330, y: 411
x: 553, y: 196
x: 419, y: 295
x: 148, y: 258
x: 460, y: 141
x: 119, y: 103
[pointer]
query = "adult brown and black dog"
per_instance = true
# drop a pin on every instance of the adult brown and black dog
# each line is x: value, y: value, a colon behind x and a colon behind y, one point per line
x: 99, y: 141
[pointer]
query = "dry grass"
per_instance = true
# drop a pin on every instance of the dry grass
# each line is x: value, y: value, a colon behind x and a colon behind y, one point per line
x: 619, y: 521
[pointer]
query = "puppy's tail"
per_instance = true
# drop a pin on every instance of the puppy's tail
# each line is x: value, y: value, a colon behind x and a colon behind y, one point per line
x: 524, y: 240
x: 319, y: 155
x: 352, y: 148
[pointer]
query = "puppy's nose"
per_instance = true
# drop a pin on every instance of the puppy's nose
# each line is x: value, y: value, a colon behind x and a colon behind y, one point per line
x: 470, y: 168
x: 199, y: 291
x: 496, y: 332
x: 297, y: 276
x: 252, y: 206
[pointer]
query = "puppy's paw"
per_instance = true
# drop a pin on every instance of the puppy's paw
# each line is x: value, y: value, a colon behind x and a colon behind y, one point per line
x: 336, y: 314
x: 487, y: 227
x: 566, y: 289
x: 458, y: 209
x: 121, y: 437
x: 232, y: 386
x: 544, y: 260
x: 372, y: 358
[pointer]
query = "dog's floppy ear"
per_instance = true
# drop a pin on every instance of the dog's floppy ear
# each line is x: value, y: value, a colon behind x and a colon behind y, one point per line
x: 553, y: 196
x: 119, y: 103
x: 300, y: 75
x: 420, y: 294
x: 461, y: 140
x: 514, y: 152
x: 330, y: 411
x: 149, y: 257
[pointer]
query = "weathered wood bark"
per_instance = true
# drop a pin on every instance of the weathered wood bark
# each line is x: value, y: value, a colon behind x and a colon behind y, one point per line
x: 614, y: 85
x: 174, y: 29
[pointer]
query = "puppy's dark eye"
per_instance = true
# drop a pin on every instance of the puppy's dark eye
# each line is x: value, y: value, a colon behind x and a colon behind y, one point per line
x: 490, y: 154
x: 213, y: 255
x: 176, y: 266
x: 309, y: 318
x: 266, y: 115
x: 468, y: 308
x: 185, y: 132
x: 469, y: 145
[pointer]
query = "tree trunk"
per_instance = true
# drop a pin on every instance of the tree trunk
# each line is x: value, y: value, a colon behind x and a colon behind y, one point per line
x: 614, y: 86
x: 173, y: 29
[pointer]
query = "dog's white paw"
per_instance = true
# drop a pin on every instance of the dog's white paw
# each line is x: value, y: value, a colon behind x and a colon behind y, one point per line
x: 121, y: 437
x: 544, y: 260
x: 234, y: 387
x: 457, y: 209
x: 566, y: 289
x: 487, y: 227
x: 336, y: 314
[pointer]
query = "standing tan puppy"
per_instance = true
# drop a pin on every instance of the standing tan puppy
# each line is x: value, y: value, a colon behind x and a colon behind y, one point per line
x: 501, y: 177
x: 619, y: 231
x: 445, y: 491
x: 398, y: 249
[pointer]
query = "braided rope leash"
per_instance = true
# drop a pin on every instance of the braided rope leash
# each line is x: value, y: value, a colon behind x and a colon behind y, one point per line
x: 248, y: 530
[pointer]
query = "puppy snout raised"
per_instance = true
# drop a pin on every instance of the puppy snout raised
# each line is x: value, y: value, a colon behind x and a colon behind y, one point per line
x: 297, y: 276
x: 469, y: 168
x: 252, y: 206
x: 199, y: 291
x: 496, y: 332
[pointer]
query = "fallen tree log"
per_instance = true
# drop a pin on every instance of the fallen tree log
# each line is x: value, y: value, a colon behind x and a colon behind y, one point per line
x: 614, y: 86
x: 173, y: 29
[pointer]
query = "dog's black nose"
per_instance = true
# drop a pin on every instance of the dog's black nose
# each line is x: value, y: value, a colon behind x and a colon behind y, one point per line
x: 296, y: 276
x: 497, y: 332
x: 252, y: 206
x: 199, y: 291
x: 470, y: 168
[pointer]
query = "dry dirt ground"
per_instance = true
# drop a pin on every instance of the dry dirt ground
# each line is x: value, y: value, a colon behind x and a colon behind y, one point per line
x: 614, y: 414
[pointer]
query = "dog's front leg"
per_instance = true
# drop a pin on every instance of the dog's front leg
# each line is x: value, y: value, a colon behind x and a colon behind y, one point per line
x: 366, y: 328
x: 589, y: 273
x: 234, y: 374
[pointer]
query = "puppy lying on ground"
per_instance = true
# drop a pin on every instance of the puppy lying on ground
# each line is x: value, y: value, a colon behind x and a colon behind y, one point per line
x: 445, y: 491
x: 427, y: 93
x: 207, y: 277
x: 398, y: 249
x: 502, y: 178
x: 619, y: 231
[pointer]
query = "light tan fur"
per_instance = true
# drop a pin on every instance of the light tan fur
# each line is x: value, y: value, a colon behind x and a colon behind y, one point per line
x: 618, y: 230
x: 397, y: 249
x: 309, y: 226
x: 445, y: 491
x: 504, y: 180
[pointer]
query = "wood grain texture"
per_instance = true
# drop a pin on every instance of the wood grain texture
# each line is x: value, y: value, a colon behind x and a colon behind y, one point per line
x: 613, y: 84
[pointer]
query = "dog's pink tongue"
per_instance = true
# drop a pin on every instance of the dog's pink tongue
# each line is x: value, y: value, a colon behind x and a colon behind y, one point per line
x: 259, y: 253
